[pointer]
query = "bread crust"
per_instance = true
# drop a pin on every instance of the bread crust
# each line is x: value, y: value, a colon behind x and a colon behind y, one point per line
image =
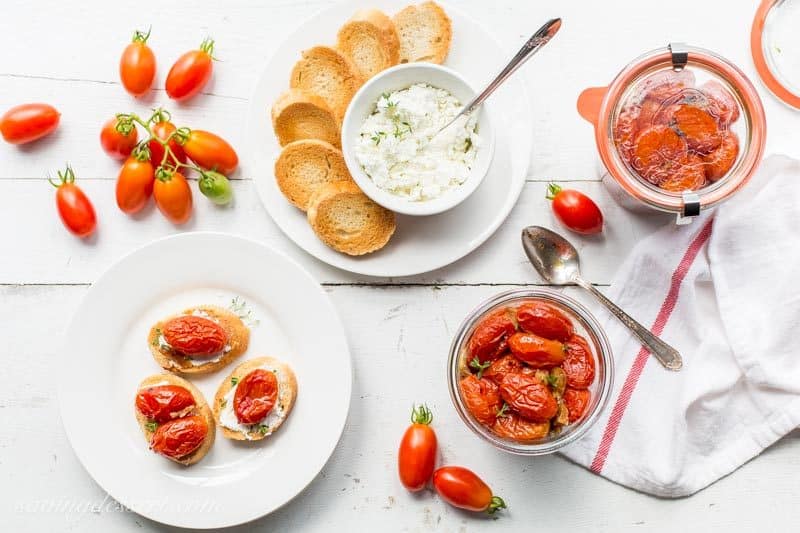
x: 299, y: 114
x: 370, y: 237
x: 328, y: 163
x: 287, y: 396
x: 329, y: 74
x: 360, y: 30
x: 238, y: 338
x: 429, y: 15
x: 201, y: 408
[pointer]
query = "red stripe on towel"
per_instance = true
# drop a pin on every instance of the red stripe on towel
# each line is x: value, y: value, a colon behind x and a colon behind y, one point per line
x: 644, y: 354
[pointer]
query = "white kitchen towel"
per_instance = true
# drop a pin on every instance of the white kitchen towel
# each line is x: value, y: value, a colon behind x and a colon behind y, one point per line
x: 725, y: 292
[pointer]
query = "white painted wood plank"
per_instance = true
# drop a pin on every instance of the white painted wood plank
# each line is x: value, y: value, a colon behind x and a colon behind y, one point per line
x: 393, y: 332
x: 41, y: 250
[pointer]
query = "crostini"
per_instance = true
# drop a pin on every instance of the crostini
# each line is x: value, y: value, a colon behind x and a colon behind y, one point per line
x: 174, y: 418
x: 200, y: 340
x: 255, y: 399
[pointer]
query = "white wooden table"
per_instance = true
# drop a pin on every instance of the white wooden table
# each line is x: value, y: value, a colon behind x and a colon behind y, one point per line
x: 66, y: 53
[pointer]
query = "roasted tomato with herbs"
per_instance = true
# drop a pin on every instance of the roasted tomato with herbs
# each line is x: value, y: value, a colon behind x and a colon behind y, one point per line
x: 544, y: 320
x: 178, y: 438
x: 502, y: 366
x: 579, y: 363
x: 163, y: 403
x: 528, y: 396
x: 576, y: 401
x: 514, y: 427
x: 536, y: 351
x: 255, y: 396
x: 481, y: 397
x: 195, y: 335
x: 490, y: 338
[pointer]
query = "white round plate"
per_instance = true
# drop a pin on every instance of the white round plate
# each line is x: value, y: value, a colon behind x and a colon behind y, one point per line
x: 107, y: 356
x: 420, y: 244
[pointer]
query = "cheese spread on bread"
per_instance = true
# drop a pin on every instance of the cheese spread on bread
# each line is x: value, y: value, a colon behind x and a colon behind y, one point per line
x: 227, y: 416
x: 399, y: 149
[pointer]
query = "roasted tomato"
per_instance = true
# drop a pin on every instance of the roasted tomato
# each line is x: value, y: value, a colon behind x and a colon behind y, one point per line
x: 489, y: 340
x: 691, y: 175
x: 461, y: 488
x: 513, y: 426
x: 482, y: 398
x: 576, y: 401
x: 178, y: 438
x: 417, y: 455
x: 698, y: 127
x: 721, y: 103
x: 544, y: 320
x: 502, y: 366
x: 537, y: 351
x: 720, y: 161
x: 162, y: 403
x: 255, y: 396
x: 579, y: 363
x: 528, y: 396
x: 195, y: 335
x: 658, y: 152
x: 625, y: 130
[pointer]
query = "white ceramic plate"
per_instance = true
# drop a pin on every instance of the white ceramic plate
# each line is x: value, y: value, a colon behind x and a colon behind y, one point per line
x: 420, y: 244
x: 107, y: 356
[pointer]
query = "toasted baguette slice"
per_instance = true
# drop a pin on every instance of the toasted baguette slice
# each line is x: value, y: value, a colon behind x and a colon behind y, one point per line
x: 370, y: 40
x: 201, y: 408
x: 425, y: 33
x: 345, y: 219
x: 298, y: 114
x: 328, y: 73
x: 304, y: 166
x: 238, y: 338
x: 223, y: 400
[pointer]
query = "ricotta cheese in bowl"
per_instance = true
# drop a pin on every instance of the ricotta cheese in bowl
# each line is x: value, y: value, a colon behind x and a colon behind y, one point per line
x: 400, y: 152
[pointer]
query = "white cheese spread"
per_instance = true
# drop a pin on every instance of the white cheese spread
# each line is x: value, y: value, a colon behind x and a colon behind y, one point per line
x: 399, y: 152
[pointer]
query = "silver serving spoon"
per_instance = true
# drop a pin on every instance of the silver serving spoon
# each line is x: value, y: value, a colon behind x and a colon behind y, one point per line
x: 536, y: 42
x: 556, y: 260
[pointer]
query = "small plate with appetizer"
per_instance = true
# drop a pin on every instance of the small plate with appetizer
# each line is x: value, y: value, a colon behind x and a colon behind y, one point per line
x: 346, y: 143
x: 190, y: 380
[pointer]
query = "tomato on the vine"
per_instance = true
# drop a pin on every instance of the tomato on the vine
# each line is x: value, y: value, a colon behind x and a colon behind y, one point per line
x: 173, y: 196
x: 208, y: 150
x: 135, y: 184
x: 163, y: 130
x: 191, y: 72
x: 216, y: 187
x: 417, y: 455
x: 575, y: 210
x: 27, y: 122
x: 462, y: 488
x: 118, y: 139
x: 137, y: 66
x: 74, y: 207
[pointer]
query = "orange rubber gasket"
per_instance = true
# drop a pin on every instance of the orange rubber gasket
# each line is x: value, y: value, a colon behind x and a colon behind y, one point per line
x: 757, y: 51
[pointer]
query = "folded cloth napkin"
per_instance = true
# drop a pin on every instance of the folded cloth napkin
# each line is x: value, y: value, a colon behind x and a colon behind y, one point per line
x: 724, y: 292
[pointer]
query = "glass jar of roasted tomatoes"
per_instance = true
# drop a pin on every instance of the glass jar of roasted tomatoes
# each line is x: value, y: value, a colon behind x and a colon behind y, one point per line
x: 680, y: 130
x: 530, y: 371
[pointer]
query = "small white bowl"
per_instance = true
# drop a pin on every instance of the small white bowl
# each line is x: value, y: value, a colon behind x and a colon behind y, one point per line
x: 401, y: 77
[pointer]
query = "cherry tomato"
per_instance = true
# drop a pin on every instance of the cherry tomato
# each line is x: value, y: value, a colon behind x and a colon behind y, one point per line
x: 27, y: 122
x: 173, y: 196
x: 191, y: 72
x: 117, y: 144
x: 216, y: 187
x: 255, y: 396
x: 134, y: 185
x: 194, y: 335
x: 210, y: 151
x: 137, y: 66
x: 180, y: 437
x: 576, y: 402
x: 528, y: 396
x: 74, y: 208
x: 162, y: 130
x: 575, y: 210
x: 544, y: 320
x: 579, y: 363
x: 162, y: 403
x: 417, y: 455
x: 461, y: 488
x: 489, y: 340
x: 502, y: 366
x: 481, y: 397
x: 537, y: 351
x: 514, y: 427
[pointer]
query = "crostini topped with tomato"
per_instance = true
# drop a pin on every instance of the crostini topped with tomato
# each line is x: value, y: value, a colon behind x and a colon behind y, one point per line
x: 255, y: 399
x: 200, y: 340
x: 174, y: 418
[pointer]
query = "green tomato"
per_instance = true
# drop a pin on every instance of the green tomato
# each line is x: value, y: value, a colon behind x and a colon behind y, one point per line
x: 216, y: 187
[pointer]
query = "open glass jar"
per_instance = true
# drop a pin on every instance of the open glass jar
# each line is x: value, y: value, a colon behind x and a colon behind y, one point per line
x: 680, y: 130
